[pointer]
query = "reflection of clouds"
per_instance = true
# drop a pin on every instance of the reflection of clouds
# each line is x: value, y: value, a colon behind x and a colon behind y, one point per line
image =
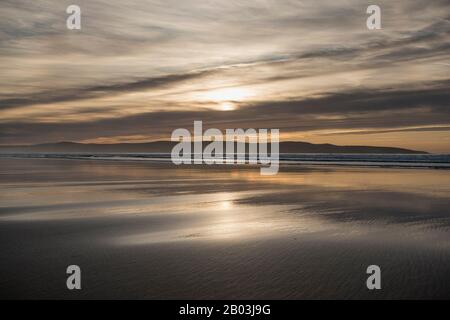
x: 226, y: 204
x: 239, y: 224
x: 433, y: 182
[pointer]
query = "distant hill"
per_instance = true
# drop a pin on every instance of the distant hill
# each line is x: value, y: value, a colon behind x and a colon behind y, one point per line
x: 166, y: 147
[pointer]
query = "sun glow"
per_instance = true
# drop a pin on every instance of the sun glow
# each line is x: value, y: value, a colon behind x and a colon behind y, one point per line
x: 228, y: 94
x: 227, y: 106
x: 226, y: 99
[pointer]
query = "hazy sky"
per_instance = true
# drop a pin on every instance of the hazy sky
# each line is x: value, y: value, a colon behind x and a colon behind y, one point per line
x: 139, y: 69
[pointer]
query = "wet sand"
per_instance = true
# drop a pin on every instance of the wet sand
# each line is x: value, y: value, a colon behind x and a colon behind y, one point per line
x: 157, y: 231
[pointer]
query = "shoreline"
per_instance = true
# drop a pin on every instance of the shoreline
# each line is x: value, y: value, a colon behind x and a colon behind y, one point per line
x: 369, y: 162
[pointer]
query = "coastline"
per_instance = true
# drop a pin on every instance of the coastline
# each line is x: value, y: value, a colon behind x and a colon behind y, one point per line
x: 427, y: 161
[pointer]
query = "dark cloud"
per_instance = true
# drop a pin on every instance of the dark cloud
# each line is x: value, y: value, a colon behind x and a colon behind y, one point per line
x: 100, y: 90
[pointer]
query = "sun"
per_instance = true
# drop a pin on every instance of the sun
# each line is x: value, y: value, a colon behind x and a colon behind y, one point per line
x: 226, y: 99
x: 227, y: 106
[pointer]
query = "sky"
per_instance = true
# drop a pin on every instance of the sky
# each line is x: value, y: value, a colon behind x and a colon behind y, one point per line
x: 139, y: 69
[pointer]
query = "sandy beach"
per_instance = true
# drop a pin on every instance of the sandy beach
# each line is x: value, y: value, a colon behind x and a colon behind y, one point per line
x: 149, y: 230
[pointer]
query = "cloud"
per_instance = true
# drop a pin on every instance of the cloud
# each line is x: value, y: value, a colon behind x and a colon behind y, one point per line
x: 382, y: 110
x: 99, y: 90
x: 142, y: 68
